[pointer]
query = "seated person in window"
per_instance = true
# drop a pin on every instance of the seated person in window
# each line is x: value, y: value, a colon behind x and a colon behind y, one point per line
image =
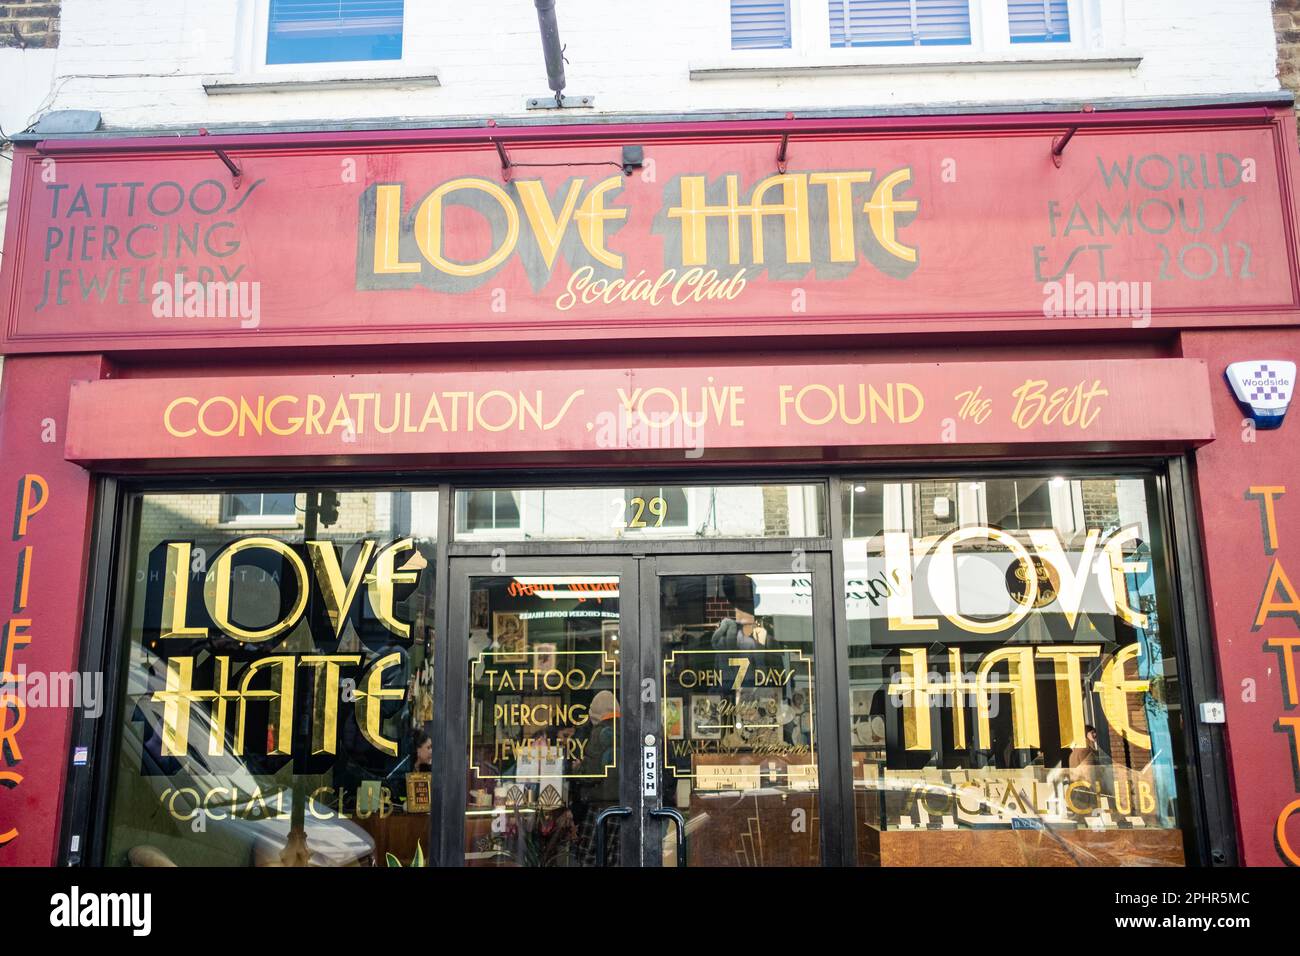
x: 742, y: 631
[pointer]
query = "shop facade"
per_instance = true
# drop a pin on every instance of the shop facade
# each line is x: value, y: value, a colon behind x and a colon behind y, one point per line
x: 838, y: 491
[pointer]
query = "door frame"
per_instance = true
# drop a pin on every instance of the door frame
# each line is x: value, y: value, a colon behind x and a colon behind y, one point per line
x: 452, y: 751
x: 832, y: 716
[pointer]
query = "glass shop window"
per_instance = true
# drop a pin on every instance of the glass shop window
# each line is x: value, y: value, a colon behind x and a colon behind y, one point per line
x: 277, y: 695
x: 646, y: 511
x: 333, y: 31
x: 1014, y: 688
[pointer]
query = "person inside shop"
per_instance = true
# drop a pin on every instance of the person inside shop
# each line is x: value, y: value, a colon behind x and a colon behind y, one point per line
x: 1092, y: 766
x: 422, y: 752
x: 595, y: 784
x: 742, y: 631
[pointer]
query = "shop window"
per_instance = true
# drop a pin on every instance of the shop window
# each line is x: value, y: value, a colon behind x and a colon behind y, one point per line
x: 900, y: 23
x: 333, y: 31
x: 278, y: 508
x: 1014, y: 694
x: 665, y: 511
x: 760, y: 24
x: 1039, y: 21
x: 276, y: 698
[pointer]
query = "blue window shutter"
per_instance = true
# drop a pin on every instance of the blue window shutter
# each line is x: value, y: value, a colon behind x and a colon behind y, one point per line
x: 899, y: 22
x: 329, y: 31
x: 1039, y: 21
x: 760, y: 24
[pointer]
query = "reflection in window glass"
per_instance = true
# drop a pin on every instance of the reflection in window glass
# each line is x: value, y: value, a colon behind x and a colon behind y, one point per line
x: 250, y: 506
x: 277, y: 690
x: 1014, y: 695
x: 739, y: 747
x: 657, y: 506
x: 543, y: 719
x: 1014, y: 504
x: 488, y: 511
x: 654, y: 511
x: 864, y: 509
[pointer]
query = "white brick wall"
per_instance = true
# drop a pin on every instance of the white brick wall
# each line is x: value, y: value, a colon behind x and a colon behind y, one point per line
x: 142, y: 62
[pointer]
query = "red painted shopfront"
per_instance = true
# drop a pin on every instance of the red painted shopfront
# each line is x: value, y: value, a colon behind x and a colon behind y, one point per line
x: 936, y: 311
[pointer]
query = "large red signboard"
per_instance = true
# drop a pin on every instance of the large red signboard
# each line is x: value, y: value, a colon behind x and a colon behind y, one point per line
x: 1179, y: 219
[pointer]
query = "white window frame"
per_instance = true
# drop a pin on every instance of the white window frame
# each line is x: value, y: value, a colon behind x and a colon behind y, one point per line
x: 252, y: 74
x: 1096, y: 41
x: 820, y: 16
x: 1079, y: 13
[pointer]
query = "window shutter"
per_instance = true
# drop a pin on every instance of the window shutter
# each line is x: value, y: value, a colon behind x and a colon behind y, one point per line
x: 899, y: 22
x: 1039, y: 21
x: 760, y: 24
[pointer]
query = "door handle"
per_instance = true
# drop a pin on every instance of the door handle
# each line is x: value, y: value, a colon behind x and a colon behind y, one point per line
x: 601, y: 819
x: 672, y: 813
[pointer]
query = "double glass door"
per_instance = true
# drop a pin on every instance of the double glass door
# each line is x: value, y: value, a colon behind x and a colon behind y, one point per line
x: 618, y: 710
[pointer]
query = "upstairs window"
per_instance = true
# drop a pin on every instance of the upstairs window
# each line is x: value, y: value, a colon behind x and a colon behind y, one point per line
x: 760, y: 24
x: 900, y: 23
x: 1039, y: 21
x: 333, y: 31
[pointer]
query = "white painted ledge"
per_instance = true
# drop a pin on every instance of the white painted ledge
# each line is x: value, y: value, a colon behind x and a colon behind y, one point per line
x: 355, y: 78
x: 786, y: 64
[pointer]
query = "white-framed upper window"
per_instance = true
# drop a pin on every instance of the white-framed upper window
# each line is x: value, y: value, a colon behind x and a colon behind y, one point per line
x: 899, y: 23
x: 302, y: 39
x: 1039, y: 21
x: 760, y: 24
x: 333, y: 31
x: 886, y: 30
